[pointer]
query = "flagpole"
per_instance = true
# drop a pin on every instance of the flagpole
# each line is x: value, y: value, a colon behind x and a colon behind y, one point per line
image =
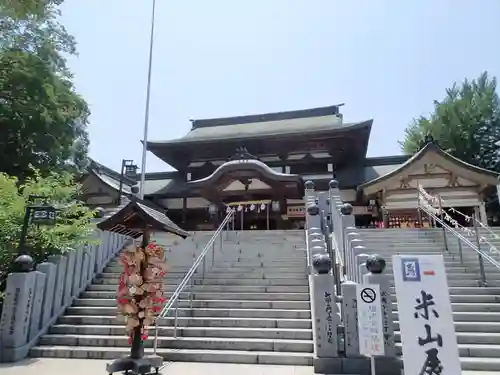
x: 146, y: 113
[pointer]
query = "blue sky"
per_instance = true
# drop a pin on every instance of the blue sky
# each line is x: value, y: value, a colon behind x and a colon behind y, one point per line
x: 386, y: 59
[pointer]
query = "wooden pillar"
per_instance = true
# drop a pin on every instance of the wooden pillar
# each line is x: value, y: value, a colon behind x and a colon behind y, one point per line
x: 483, y: 218
x: 184, y: 209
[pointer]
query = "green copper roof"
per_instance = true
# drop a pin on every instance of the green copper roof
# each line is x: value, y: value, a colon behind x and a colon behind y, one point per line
x: 266, y: 129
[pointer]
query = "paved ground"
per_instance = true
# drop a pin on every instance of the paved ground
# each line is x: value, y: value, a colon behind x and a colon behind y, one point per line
x: 49, y: 366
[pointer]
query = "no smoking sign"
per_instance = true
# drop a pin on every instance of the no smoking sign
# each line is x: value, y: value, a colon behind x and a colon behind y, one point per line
x: 368, y: 295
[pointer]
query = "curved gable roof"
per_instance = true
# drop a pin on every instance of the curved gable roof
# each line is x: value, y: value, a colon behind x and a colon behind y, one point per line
x: 140, y: 211
x: 247, y: 164
x: 477, y: 173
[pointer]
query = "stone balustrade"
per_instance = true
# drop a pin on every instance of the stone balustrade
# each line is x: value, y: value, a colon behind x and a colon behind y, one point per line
x: 34, y: 299
x: 332, y: 240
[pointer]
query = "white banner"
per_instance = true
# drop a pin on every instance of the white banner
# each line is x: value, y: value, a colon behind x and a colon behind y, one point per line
x: 425, y: 315
x: 371, y: 332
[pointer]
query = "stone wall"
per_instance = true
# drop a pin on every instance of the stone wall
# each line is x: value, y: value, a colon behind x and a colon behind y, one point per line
x: 34, y: 300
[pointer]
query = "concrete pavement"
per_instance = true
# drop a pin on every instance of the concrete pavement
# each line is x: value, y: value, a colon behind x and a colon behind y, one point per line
x: 53, y: 366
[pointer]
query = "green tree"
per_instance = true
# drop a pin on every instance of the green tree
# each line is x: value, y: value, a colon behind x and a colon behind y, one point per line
x: 73, y: 225
x: 43, y: 122
x: 465, y: 123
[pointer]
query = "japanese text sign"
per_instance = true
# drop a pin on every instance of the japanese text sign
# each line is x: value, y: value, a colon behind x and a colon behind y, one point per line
x: 425, y: 316
x: 371, y: 334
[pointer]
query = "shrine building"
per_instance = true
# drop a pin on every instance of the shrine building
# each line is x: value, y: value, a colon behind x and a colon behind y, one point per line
x: 258, y: 164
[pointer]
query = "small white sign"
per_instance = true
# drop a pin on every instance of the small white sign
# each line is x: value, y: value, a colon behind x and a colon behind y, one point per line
x: 425, y: 315
x: 371, y: 334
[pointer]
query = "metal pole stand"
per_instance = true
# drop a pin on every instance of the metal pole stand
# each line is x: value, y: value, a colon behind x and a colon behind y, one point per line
x: 136, y: 363
x: 372, y: 365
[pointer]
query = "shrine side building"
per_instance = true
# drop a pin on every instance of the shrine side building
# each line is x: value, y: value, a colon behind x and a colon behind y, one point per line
x: 258, y: 164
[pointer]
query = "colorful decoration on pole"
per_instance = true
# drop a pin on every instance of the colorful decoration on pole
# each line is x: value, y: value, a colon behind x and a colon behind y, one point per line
x: 140, y: 292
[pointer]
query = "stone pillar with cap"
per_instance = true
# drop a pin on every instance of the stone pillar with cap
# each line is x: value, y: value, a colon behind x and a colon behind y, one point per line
x: 315, y: 238
x: 376, y: 266
x: 325, y: 315
x: 23, y: 300
x: 498, y: 187
x: 354, y: 363
x: 347, y: 221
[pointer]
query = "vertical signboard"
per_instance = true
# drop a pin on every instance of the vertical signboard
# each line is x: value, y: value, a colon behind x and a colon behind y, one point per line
x: 425, y: 315
x: 371, y: 334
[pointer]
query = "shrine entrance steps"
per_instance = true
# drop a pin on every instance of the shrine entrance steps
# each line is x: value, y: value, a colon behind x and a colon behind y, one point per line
x: 476, y: 308
x: 252, y: 307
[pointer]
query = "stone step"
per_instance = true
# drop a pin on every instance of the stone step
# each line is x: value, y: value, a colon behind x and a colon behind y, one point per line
x: 404, y: 245
x: 221, y: 296
x: 455, y: 282
x: 469, y: 327
x: 209, y: 343
x: 468, y: 258
x: 94, y: 298
x: 470, y: 316
x: 228, y: 269
x: 468, y: 298
x: 177, y: 355
x: 465, y: 268
x: 252, y: 288
x: 107, y: 320
x: 464, y: 276
x: 211, y: 304
x: 469, y: 290
x: 491, y: 339
x: 205, y: 312
x: 469, y: 350
x: 196, y: 306
x: 208, y: 332
x: 480, y: 364
x: 223, y: 281
x: 210, y: 274
x: 227, y: 262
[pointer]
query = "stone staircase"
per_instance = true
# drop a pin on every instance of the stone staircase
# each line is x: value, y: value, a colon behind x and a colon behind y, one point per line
x: 252, y: 306
x: 476, y: 309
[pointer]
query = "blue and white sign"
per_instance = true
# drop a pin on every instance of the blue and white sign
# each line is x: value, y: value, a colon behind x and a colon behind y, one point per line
x: 425, y: 315
x: 411, y: 269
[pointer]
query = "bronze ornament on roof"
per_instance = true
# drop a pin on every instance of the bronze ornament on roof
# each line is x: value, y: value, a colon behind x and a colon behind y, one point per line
x: 242, y: 154
x: 428, y: 139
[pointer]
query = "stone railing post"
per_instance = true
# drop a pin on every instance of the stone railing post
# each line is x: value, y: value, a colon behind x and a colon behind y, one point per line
x: 70, y: 274
x: 376, y: 266
x: 309, y: 200
x: 335, y: 201
x: 356, y: 247
x: 346, y: 222
x: 35, y: 299
x: 50, y: 271
x: 361, y: 262
x: 354, y: 363
x: 19, y: 305
x: 388, y: 364
x: 350, y: 318
x: 77, y: 279
x: 325, y: 316
x: 60, y: 262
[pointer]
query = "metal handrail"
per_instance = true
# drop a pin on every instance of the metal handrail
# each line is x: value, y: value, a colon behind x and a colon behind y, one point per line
x: 489, y: 231
x: 187, y: 278
x: 481, y: 253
